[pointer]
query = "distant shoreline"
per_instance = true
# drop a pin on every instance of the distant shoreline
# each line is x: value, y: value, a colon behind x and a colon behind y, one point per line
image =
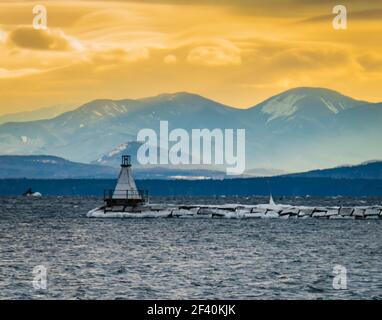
x: 279, y: 186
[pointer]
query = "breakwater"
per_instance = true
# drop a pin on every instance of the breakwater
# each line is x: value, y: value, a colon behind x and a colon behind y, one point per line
x: 236, y: 211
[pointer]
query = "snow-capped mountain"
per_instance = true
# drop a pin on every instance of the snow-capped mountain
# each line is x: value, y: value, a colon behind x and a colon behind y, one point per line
x: 298, y: 130
x: 309, y: 128
x: 97, y: 127
x: 306, y: 103
x: 190, y: 172
x: 113, y: 157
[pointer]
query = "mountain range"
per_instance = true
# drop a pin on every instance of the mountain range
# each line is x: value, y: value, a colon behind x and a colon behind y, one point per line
x: 50, y: 167
x: 298, y: 130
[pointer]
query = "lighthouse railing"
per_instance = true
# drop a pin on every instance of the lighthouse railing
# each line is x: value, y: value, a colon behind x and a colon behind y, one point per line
x: 140, y: 195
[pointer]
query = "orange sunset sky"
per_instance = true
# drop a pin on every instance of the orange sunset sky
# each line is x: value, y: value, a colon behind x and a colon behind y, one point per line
x: 237, y: 52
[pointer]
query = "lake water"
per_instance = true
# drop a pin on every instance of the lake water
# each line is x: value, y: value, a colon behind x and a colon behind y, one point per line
x: 185, y: 258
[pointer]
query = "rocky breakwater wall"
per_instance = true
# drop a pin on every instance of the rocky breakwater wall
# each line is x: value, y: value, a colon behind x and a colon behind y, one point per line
x: 237, y: 211
x: 279, y: 211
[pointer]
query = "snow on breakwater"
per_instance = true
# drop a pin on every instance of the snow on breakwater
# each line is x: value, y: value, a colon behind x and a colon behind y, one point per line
x: 238, y: 211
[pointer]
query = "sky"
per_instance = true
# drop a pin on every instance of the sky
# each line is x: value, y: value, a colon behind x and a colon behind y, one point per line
x: 237, y: 52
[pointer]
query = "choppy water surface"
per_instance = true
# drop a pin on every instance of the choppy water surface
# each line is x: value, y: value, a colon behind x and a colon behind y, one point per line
x: 184, y: 259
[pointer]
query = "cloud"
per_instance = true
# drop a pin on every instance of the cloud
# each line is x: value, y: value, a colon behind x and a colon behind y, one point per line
x: 215, y: 55
x: 3, y: 37
x: 361, y: 15
x: 170, y: 59
x: 290, y: 9
x: 370, y: 62
x: 115, y: 56
x: 235, y: 51
x: 27, y: 37
x: 311, y: 58
x: 5, y: 73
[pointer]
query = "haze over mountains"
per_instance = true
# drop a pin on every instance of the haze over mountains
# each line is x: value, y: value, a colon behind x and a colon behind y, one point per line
x: 39, y: 114
x: 298, y: 130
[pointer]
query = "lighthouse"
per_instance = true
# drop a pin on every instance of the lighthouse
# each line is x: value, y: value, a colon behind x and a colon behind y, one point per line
x: 125, y: 192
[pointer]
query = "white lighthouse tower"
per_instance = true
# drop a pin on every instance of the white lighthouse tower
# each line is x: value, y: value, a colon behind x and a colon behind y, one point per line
x: 125, y: 192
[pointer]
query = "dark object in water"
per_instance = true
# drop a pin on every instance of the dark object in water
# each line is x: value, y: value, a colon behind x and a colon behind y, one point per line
x: 28, y: 193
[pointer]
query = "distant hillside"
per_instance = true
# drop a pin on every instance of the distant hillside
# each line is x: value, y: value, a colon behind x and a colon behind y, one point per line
x: 368, y: 170
x: 49, y: 167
